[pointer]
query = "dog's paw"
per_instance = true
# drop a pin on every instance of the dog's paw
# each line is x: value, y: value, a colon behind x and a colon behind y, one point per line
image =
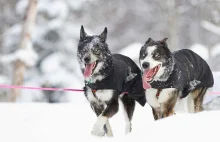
x: 128, y: 128
x: 98, y: 128
x: 98, y: 132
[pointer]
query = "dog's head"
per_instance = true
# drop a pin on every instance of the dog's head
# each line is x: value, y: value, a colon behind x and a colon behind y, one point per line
x: 92, y: 52
x: 155, y: 59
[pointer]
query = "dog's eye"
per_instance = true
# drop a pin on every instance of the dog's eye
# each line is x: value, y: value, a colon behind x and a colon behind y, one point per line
x: 96, y: 51
x: 156, y: 56
x: 143, y: 55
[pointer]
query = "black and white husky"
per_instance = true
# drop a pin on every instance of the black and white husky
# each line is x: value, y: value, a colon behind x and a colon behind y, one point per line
x: 108, y: 77
x: 172, y: 77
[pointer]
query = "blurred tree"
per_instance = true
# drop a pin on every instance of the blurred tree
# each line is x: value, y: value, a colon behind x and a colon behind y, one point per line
x: 19, y: 68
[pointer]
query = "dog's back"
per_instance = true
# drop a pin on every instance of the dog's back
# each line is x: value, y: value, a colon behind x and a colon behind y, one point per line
x: 195, y: 67
x: 124, y: 66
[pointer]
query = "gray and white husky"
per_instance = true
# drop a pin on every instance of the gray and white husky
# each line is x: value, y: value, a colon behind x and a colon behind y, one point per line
x: 108, y: 77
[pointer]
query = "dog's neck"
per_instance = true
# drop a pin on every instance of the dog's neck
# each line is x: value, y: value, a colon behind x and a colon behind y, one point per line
x: 106, y: 70
x: 169, y: 67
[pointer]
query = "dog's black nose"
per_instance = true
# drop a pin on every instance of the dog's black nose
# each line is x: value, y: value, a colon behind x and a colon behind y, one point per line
x: 87, y: 59
x: 145, y: 65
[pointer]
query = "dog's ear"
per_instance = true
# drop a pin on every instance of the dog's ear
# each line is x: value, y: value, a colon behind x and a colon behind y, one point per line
x: 103, y: 35
x: 82, y: 33
x: 164, y: 40
x: 149, y: 40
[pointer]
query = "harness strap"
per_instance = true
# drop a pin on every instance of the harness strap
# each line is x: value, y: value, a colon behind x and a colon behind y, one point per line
x: 93, y: 92
x: 158, y: 92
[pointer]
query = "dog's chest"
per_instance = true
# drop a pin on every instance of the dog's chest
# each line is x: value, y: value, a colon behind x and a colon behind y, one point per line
x: 155, y: 98
x: 99, y: 96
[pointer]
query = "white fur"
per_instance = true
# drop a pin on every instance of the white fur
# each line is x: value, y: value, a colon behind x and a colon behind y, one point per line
x: 153, y: 63
x: 159, y: 74
x: 109, y: 129
x: 98, y: 128
x: 92, y: 98
x: 96, y: 78
x: 98, y: 67
x: 163, y: 97
x: 93, y: 57
x: 104, y: 95
x: 149, y: 58
x: 100, y: 96
x: 190, y: 103
x: 151, y: 97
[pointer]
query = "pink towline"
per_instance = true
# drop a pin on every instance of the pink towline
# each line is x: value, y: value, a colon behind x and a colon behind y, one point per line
x: 39, y: 88
x: 61, y: 89
x: 214, y: 93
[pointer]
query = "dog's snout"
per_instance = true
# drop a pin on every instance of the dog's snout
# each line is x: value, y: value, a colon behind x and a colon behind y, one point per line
x: 145, y: 65
x: 87, y: 59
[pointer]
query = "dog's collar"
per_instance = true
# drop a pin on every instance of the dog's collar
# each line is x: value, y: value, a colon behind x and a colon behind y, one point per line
x: 158, y: 92
x: 93, y: 92
x: 89, y: 81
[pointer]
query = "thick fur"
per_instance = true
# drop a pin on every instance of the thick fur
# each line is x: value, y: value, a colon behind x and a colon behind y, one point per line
x: 182, y: 75
x: 112, y: 75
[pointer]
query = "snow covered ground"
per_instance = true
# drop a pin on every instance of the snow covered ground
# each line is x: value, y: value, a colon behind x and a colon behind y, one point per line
x: 66, y: 122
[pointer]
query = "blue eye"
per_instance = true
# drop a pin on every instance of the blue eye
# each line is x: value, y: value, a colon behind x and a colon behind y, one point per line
x: 96, y: 51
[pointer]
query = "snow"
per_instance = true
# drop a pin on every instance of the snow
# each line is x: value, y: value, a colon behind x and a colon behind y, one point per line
x: 201, y: 50
x: 42, y: 122
x: 77, y: 4
x: 27, y: 55
x: 213, y: 104
x: 210, y: 27
x: 58, y: 8
x: 132, y: 50
x: 215, y: 88
x: 21, y: 7
x: 215, y: 50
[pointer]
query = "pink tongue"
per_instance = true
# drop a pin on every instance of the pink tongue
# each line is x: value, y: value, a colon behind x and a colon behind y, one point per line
x: 88, y: 70
x: 146, y: 85
x: 147, y: 76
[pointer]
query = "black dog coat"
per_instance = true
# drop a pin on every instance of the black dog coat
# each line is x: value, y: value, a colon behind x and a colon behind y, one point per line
x: 190, y: 72
x: 121, y: 79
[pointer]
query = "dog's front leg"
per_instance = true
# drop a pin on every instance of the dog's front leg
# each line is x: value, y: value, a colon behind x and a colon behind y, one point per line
x: 110, y: 110
x: 156, y: 113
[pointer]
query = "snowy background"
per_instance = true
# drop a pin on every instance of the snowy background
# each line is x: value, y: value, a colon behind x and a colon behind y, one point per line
x: 57, y: 116
x: 193, y: 24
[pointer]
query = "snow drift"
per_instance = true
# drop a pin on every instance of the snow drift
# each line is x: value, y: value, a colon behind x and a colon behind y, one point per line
x: 41, y: 122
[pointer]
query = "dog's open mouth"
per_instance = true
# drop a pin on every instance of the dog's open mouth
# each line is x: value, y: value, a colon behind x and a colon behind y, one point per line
x: 89, y: 69
x: 148, y: 76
